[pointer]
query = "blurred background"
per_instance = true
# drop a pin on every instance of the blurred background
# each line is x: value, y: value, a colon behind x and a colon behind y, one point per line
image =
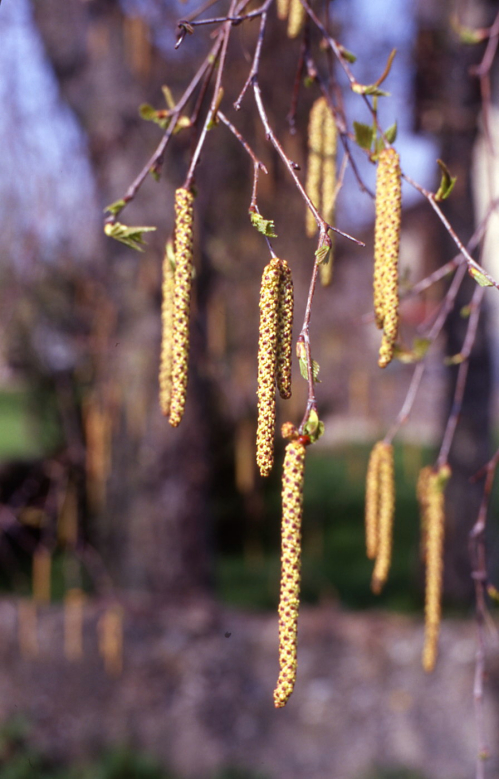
x: 139, y: 565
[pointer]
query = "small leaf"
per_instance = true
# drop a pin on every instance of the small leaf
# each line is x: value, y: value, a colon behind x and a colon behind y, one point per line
x: 363, y: 135
x: 455, y: 359
x: 420, y: 347
x: 349, y: 56
x: 130, y: 236
x: 315, y: 371
x: 467, y: 35
x: 308, y: 81
x: 409, y: 356
x: 312, y: 423
x: 182, y: 123
x: 167, y: 94
x: 446, y: 183
x: 391, y: 133
x: 465, y: 311
x: 493, y: 592
x: 264, y: 226
x: 115, y: 207
x: 368, y: 89
x: 480, y: 278
x: 303, y: 368
x: 322, y: 253
x: 150, y: 114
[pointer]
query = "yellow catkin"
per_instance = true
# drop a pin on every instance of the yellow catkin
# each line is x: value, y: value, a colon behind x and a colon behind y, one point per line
x: 422, y: 496
x: 385, y: 351
x: 328, y: 189
x: 110, y: 632
x: 184, y: 203
x: 282, y: 9
x: 372, y: 501
x: 385, y: 518
x: 73, y: 624
x: 267, y: 365
x: 165, y: 365
x: 42, y: 566
x: 27, y: 629
x: 296, y: 18
x: 285, y: 331
x: 289, y: 601
x: 386, y: 247
x: 435, y: 522
x: 314, y: 163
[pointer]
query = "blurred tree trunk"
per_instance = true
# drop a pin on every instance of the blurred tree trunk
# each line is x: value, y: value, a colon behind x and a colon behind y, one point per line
x: 448, y: 102
x: 153, y: 523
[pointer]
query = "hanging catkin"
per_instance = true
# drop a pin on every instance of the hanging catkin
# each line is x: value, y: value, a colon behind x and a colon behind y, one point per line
x: 422, y: 496
x: 289, y: 601
x: 296, y: 18
x: 282, y: 9
x: 184, y: 201
x: 386, y: 250
x: 314, y: 163
x: 328, y: 189
x: 285, y: 331
x: 385, y: 517
x: 435, y: 521
x: 267, y: 364
x: 372, y: 501
x: 165, y: 365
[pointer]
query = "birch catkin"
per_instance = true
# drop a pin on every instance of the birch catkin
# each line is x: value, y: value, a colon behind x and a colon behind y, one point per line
x: 165, y: 366
x: 296, y: 18
x: 184, y: 200
x: 289, y: 601
x: 314, y: 163
x: 435, y: 521
x: 282, y: 9
x: 285, y: 331
x: 328, y: 189
x: 386, y: 250
x: 267, y: 364
x: 372, y: 501
x: 385, y: 518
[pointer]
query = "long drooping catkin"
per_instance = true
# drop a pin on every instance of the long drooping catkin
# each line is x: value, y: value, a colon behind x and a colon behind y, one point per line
x: 372, y: 501
x: 385, y: 517
x: 328, y: 189
x: 296, y: 18
x: 315, y: 160
x: 422, y: 496
x: 267, y: 364
x: 165, y: 365
x: 289, y: 601
x: 435, y: 521
x: 282, y: 9
x: 386, y: 248
x: 285, y: 331
x: 184, y: 202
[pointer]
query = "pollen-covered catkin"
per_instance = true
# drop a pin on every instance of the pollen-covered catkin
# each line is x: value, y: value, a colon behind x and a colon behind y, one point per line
x: 296, y: 18
x: 165, y: 365
x: 184, y: 206
x: 386, y: 248
x: 385, y: 518
x: 372, y: 501
x: 314, y: 163
x: 267, y: 365
x: 282, y: 9
x: 422, y: 496
x: 289, y: 601
x: 328, y: 189
x: 435, y: 521
x: 285, y: 331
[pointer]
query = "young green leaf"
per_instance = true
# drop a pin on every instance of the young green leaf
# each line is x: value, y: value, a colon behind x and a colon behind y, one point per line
x: 391, y: 133
x: 264, y: 226
x: 150, y: 114
x: 115, y: 207
x: 446, y: 182
x: 130, y: 236
x: 167, y: 94
x: 480, y: 278
x: 364, y: 134
x: 349, y: 56
x: 321, y: 253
